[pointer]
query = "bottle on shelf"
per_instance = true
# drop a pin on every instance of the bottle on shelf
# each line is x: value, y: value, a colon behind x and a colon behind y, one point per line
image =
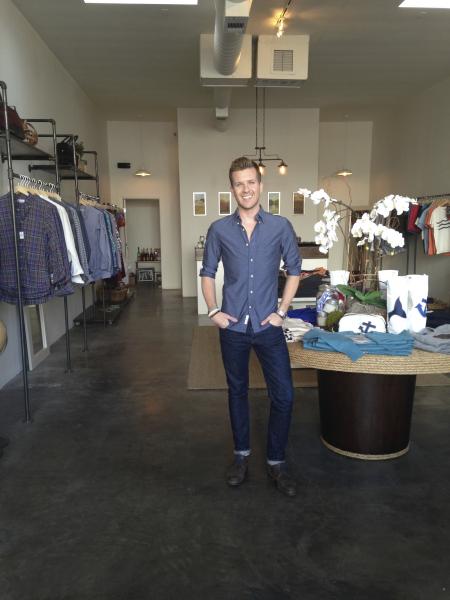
x: 151, y: 255
x: 138, y: 253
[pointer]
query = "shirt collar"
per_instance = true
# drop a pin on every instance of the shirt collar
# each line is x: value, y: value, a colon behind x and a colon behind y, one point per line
x: 259, y: 216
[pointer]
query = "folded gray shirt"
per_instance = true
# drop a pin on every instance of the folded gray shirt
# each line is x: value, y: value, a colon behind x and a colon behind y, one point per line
x: 433, y: 340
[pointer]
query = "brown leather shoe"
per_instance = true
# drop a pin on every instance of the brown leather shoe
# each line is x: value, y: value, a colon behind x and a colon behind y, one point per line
x: 284, y: 482
x: 237, y: 472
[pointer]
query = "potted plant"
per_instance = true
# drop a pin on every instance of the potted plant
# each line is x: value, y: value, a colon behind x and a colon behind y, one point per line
x: 374, y: 230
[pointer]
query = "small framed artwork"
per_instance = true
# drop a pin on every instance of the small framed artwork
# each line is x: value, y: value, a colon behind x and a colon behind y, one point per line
x: 224, y: 203
x: 199, y: 202
x: 273, y: 200
x: 147, y: 274
x: 298, y: 203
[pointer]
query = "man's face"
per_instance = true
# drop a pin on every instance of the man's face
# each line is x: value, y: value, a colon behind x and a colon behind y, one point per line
x: 246, y: 188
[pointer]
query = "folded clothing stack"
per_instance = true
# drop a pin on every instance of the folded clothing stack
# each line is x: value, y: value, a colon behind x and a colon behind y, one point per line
x: 295, y: 329
x: 305, y: 314
x: 355, y: 345
x: 433, y: 340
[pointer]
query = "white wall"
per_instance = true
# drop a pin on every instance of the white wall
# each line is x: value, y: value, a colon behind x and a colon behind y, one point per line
x: 205, y: 155
x: 422, y: 167
x: 158, y: 153
x: 143, y: 229
x: 349, y: 145
x: 39, y: 86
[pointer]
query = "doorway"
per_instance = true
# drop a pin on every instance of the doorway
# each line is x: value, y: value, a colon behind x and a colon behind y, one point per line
x: 143, y: 228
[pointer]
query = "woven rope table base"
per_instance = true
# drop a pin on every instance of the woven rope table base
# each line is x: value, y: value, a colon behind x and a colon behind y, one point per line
x: 364, y: 456
x: 419, y: 362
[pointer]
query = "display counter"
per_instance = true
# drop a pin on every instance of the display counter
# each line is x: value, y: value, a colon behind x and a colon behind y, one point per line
x: 366, y: 405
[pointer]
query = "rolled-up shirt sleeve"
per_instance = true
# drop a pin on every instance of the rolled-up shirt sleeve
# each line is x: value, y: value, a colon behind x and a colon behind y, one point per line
x: 290, y: 251
x: 211, y: 255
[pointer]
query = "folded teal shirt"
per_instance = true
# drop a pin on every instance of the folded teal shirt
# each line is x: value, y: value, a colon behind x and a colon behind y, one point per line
x: 355, y: 345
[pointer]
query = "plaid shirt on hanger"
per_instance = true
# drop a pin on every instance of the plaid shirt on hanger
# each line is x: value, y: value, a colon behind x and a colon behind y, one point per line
x: 43, y: 262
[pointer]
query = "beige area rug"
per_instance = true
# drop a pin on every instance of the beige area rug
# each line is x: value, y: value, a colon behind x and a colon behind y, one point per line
x: 206, y: 370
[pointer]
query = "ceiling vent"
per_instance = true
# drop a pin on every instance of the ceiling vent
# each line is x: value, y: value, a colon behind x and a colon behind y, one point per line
x: 282, y: 62
x: 211, y: 76
x: 236, y: 15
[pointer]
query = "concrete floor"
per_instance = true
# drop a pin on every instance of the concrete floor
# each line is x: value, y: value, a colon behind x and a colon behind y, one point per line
x: 116, y: 490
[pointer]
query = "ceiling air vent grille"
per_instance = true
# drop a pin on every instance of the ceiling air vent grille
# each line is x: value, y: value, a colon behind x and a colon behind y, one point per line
x: 235, y: 25
x: 283, y: 60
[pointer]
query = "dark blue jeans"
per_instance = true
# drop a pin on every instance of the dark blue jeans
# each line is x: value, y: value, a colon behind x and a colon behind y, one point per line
x: 271, y: 350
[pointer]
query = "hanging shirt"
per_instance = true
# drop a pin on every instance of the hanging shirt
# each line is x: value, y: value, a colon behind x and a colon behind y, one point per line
x: 117, y: 242
x: 75, y: 266
x: 112, y: 242
x: 43, y: 261
x: 79, y: 240
x: 100, y: 262
x: 250, y: 290
x: 441, y: 229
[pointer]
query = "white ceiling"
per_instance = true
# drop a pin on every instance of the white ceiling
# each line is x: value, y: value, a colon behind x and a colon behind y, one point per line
x: 143, y: 61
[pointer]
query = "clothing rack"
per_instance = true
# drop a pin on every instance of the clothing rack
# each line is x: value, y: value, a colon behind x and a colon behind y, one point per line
x: 72, y: 172
x: 94, y: 201
x: 427, y: 199
x: 24, y: 151
x: 431, y: 198
x: 57, y: 176
x: 11, y: 176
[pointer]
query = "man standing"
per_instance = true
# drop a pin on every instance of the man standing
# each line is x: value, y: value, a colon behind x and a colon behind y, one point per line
x: 251, y: 243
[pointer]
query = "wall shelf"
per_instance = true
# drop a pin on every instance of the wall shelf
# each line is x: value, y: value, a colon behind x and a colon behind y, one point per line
x: 20, y: 150
x: 65, y: 172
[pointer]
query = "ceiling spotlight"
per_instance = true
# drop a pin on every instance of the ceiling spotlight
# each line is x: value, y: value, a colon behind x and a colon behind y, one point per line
x: 261, y: 167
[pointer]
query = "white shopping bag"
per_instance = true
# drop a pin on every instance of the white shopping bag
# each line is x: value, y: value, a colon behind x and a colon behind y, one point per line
x: 383, y: 277
x: 417, y: 302
x: 339, y: 278
x: 407, y: 303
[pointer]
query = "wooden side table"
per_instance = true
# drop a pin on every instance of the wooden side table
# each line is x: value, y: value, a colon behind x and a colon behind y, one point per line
x: 366, y: 405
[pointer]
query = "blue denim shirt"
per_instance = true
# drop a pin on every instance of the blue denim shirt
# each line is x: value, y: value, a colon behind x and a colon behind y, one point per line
x: 250, y: 290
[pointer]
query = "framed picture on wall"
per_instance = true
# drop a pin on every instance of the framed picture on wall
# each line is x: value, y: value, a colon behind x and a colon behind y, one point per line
x: 298, y: 203
x: 273, y: 201
x: 224, y: 203
x: 199, y: 204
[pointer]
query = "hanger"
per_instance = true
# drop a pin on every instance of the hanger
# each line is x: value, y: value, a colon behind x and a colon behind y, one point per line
x: 28, y: 185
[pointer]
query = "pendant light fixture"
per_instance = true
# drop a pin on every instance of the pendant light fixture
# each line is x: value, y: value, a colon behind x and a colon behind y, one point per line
x: 142, y: 171
x: 345, y: 172
x: 280, y: 23
x: 260, y: 155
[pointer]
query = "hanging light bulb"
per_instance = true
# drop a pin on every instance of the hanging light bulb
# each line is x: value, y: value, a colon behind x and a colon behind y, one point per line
x: 142, y: 171
x: 344, y: 172
x: 261, y: 167
x: 280, y: 27
x: 282, y: 168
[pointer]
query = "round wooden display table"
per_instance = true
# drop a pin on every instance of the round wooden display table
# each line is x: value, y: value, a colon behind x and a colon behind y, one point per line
x: 366, y: 405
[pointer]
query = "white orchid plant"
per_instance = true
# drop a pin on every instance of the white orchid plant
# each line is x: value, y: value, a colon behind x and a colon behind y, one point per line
x: 367, y: 228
